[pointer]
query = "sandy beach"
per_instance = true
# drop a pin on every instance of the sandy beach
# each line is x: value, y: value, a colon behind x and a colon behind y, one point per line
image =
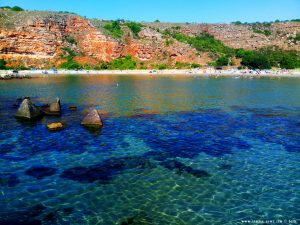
x: 175, y: 72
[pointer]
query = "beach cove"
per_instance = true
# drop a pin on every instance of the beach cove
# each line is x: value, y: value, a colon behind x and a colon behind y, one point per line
x: 172, y: 150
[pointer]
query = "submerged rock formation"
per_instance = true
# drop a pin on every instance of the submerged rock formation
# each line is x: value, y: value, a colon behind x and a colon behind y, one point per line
x: 28, y: 111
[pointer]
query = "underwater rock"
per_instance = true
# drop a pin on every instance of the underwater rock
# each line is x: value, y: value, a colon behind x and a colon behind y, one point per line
x: 9, y: 180
x: 56, y: 126
x: 105, y: 171
x: 39, y: 172
x: 54, y: 109
x: 225, y: 167
x: 28, y: 111
x: 72, y: 108
x: 92, y: 120
x: 180, y: 168
x: 24, y: 217
x: 140, y: 218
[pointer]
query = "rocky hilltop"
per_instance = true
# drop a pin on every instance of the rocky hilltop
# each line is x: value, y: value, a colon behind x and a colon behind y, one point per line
x: 46, y: 39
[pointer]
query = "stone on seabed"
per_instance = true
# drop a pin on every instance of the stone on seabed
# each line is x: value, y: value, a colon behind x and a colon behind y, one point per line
x: 28, y: 110
x: 53, y: 109
x: 92, y: 119
x: 55, y: 126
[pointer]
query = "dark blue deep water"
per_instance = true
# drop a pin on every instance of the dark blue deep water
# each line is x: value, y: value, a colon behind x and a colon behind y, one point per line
x: 173, y: 150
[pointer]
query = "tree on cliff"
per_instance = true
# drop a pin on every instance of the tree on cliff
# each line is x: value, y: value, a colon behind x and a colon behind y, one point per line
x: 17, y: 9
x: 2, y: 64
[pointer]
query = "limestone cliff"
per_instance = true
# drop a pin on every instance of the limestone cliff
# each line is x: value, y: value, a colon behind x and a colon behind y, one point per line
x: 37, y: 39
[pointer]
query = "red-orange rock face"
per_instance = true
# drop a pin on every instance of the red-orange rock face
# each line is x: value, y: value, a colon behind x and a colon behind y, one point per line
x: 37, y: 38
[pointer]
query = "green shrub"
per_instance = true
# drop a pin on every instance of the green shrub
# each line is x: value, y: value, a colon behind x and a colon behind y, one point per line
x: 70, y: 65
x: 222, y: 61
x: 264, y: 32
x: 297, y: 38
x: 237, y: 23
x: 182, y: 65
x: 135, y: 28
x: 17, y: 9
x: 114, y: 29
x: 70, y: 39
x: 267, y: 58
x: 126, y: 63
x: 162, y: 66
x: 195, y: 65
x: 204, y: 43
x: 5, y: 7
x: 2, y: 64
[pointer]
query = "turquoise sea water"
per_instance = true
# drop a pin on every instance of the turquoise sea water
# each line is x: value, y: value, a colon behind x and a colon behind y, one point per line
x: 173, y: 150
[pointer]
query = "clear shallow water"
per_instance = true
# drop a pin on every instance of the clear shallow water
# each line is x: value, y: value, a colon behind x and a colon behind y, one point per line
x: 172, y: 151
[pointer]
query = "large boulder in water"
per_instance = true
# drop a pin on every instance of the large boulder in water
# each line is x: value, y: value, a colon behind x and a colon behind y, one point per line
x: 92, y: 120
x: 28, y: 111
x: 53, y: 109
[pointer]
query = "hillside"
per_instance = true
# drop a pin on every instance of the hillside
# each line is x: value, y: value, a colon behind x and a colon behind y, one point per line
x: 46, y: 39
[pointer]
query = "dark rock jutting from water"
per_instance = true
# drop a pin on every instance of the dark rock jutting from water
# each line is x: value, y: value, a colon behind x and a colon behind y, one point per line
x: 53, y: 109
x: 92, y: 120
x: 28, y: 111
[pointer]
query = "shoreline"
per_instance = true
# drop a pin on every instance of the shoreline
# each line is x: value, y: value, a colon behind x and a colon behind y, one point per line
x: 152, y: 73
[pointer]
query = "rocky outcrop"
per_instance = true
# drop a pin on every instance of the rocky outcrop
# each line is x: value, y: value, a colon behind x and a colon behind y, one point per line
x: 53, y: 109
x: 36, y: 39
x: 28, y: 111
x: 92, y: 120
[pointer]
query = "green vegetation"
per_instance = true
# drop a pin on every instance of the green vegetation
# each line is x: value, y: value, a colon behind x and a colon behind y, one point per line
x: 169, y: 42
x: 70, y: 64
x: 135, y: 28
x: 2, y: 64
x: 15, y: 8
x: 237, y: 23
x: 182, y: 65
x: 265, y: 32
x: 268, y: 58
x: 114, y: 29
x: 297, y: 38
x: 223, y: 61
x: 295, y: 20
x: 5, y: 7
x: 70, y: 39
x: 203, y: 43
x: 126, y: 63
x: 162, y: 66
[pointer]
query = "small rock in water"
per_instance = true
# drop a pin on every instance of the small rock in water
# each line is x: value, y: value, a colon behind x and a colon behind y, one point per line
x: 73, y: 108
x: 92, y: 120
x: 54, y: 109
x: 56, y: 126
x: 28, y: 111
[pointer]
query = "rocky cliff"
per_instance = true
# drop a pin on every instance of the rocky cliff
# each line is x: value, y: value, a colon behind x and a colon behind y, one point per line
x: 38, y: 39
